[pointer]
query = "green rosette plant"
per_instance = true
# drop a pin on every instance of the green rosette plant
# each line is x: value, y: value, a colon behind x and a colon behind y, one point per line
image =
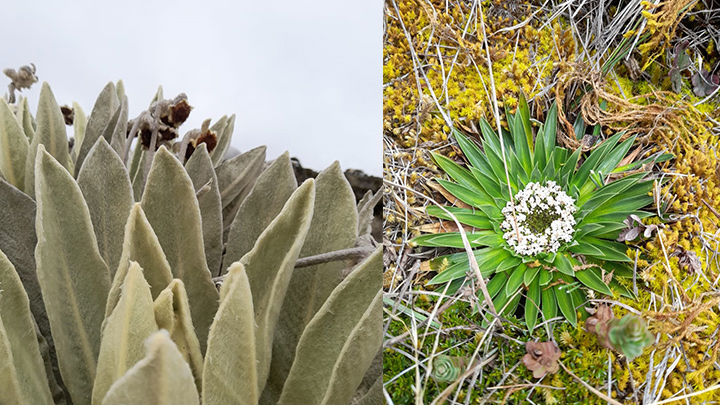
x: 629, y: 335
x: 553, y: 229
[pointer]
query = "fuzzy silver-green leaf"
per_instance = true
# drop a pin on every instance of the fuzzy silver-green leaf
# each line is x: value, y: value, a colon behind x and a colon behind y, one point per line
x: 130, y: 324
x: 340, y: 342
x: 230, y: 371
x: 237, y: 175
x: 73, y: 276
x: 50, y: 133
x: 334, y: 227
x: 105, y: 105
x: 106, y: 187
x: 260, y: 207
x: 162, y: 377
x: 141, y: 245
x: 13, y: 147
x: 270, y: 265
x: 22, y: 372
x: 172, y: 209
x: 200, y: 169
x: 172, y: 313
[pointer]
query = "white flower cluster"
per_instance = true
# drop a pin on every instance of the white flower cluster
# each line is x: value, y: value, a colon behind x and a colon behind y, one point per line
x: 544, y: 217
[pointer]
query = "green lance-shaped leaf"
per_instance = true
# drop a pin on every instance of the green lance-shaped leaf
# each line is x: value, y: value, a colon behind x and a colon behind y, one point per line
x: 13, y: 147
x: 140, y: 245
x: 105, y: 106
x: 79, y: 125
x: 108, y: 193
x: 260, y: 207
x: 224, y: 140
x: 162, y: 377
x: 17, y: 238
x: 172, y: 313
x: 270, y: 265
x: 130, y: 324
x: 73, y: 277
x: 26, y: 119
x: 22, y: 372
x: 334, y: 227
x: 200, y: 169
x: 230, y: 369
x: 50, y: 133
x: 172, y: 209
x: 340, y: 342
x: 236, y: 176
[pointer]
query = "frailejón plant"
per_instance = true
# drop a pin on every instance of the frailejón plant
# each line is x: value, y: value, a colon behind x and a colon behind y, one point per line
x: 553, y: 229
x: 111, y: 256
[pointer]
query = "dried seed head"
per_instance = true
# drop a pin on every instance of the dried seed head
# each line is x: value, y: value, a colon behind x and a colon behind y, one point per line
x: 68, y: 114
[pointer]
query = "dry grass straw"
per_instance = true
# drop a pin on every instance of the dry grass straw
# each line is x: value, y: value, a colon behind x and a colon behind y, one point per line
x: 658, y: 113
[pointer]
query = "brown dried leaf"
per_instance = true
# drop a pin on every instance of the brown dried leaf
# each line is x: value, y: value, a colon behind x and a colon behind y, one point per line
x: 542, y: 358
x: 599, y: 323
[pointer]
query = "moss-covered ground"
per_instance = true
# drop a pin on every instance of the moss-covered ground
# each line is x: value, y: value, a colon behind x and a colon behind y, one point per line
x: 608, y: 63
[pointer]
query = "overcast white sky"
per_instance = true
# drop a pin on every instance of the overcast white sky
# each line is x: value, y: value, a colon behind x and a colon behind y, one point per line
x: 300, y: 76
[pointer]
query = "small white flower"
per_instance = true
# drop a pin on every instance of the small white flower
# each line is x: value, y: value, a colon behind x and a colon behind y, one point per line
x: 544, y: 216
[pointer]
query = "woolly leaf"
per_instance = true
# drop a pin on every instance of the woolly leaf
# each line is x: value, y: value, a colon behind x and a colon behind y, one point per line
x: 22, y: 373
x: 237, y: 175
x: 140, y: 245
x: 13, y: 147
x: 172, y: 209
x: 200, y: 169
x: 105, y: 105
x: 129, y: 325
x: 224, y: 139
x: 162, y: 377
x: 50, y: 133
x: 270, y: 264
x: 79, y: 125
x: 26, y: 119
x: 340, y: 342
x: 230, y: 369
x: 260, y: 207
x: 334, y: 227
x: 108, y: 193
x: 72, y: 275
x: 172, y: 313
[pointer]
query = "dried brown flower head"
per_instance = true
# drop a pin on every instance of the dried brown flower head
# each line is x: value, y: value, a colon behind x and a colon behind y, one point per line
x: 688, y: 260
x: 542, y: 358
x: 23, y: 78
x: 68, y: 114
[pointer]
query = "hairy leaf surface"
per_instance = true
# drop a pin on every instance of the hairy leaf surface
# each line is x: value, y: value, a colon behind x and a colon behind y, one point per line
x: 162, y: 377
x: 260, y: 207
x: 72, y: 275
x: 230, y: 369
x: 130, y: 324
x: 172, y: 209
x: 22, y: 372
x: 108, y: 193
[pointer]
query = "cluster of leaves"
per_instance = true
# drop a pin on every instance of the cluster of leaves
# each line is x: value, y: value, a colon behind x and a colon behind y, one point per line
x: 551, y: 279
x: 628, y: 335
x: 96, y: 270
